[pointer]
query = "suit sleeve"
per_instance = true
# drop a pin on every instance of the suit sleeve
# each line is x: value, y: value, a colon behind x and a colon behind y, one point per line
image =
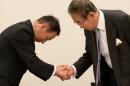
x: 127, y: 28
x: 25, y: 48
x: 84, y: 62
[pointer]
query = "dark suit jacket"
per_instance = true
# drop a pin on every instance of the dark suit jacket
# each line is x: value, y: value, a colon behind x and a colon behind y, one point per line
x: 117, y: 26
x: 17, y: 54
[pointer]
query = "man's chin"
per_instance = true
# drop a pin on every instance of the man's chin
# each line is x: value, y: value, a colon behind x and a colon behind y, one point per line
x: 38, y: 41
x: 42, y: 42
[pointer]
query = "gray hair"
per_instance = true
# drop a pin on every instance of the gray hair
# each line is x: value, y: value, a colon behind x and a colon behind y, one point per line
x: 81, y: 6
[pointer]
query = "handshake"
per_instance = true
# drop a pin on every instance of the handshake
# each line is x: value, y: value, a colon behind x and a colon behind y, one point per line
x: 64, y: 72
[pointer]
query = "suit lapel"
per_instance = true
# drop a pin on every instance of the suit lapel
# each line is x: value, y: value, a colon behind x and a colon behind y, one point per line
x: 93, y: 48
x: 111, y: 36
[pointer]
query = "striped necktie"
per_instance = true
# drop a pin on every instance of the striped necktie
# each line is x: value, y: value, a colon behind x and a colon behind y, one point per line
x: 98, y: 78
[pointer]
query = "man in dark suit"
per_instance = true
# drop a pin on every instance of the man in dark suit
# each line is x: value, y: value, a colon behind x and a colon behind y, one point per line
x: 107, y: 34
x: 17, y: 50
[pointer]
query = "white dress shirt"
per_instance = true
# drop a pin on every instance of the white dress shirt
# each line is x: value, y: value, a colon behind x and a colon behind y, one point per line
x: 103, y: 39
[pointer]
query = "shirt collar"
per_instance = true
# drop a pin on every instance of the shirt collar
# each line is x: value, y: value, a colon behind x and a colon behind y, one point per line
x: 101, y: 22
x: 32, y: 21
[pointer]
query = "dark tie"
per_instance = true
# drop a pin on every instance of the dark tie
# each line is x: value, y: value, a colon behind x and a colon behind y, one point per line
x: 98, y: 79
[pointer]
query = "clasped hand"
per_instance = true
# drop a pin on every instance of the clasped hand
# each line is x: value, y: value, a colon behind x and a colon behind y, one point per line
x: 64, y: 72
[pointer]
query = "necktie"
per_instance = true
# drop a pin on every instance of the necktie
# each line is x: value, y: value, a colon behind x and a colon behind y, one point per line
x: 98, y: 79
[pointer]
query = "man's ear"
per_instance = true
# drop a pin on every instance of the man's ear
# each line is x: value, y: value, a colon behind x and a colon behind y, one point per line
x: 44, y: 26
x: 91, y: 14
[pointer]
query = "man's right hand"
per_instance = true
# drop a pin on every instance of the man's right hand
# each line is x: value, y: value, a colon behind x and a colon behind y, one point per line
x: 64, y: 72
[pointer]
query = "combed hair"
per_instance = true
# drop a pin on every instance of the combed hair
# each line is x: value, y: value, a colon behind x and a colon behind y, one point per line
x: 81, y: 6
x: 53, y: 22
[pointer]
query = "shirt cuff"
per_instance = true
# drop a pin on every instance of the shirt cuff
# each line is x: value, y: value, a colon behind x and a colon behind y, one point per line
x: 75, y: 71
x: 53, y: 71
